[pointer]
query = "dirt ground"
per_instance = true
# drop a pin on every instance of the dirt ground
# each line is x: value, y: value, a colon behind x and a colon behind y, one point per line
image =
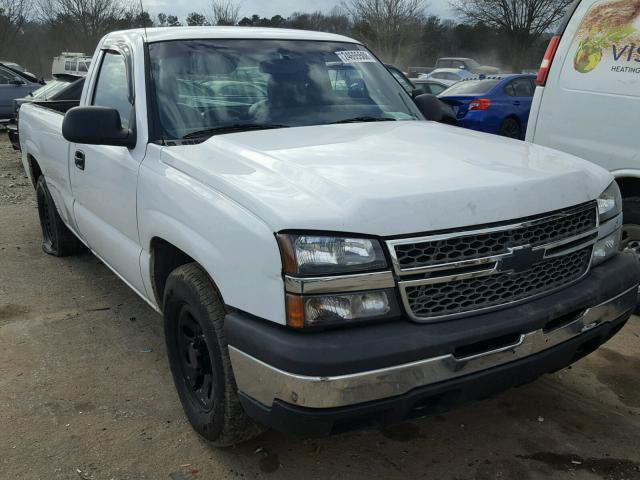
x: 86, y: 393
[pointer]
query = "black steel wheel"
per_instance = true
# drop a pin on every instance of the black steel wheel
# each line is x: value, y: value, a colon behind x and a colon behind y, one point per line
x: 511, y: 128
x: 199, y: 358
x: 195, y: 359
x: 57, y: 239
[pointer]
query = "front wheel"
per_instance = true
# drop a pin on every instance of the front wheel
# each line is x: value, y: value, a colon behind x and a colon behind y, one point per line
x: 511, y: 128
x: 199, y: 358
x: 631, y: 227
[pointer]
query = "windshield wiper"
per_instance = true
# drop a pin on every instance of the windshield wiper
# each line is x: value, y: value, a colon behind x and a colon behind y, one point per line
x: 365, y: 119
x: 236, y: 127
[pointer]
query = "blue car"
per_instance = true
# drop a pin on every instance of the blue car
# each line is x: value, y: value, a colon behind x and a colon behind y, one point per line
x: 497, y: 104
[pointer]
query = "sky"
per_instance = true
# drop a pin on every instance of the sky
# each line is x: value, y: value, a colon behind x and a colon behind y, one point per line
x: 267, y: 8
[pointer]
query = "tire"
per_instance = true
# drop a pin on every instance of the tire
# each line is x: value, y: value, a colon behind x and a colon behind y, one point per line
x: 631, y: 229
x: 511, y: 128
x: 57, y: 239
x: 199, y: 358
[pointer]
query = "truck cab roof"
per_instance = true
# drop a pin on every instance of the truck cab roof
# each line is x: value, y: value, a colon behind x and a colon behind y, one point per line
x: 161, y: 34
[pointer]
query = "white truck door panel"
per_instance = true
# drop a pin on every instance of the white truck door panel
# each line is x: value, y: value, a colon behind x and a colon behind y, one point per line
x: 105, y: 206
x: 104, y: 180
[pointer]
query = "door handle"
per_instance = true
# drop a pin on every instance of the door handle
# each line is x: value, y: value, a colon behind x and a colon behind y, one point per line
x: 78, y: 159
x: 516, y: 103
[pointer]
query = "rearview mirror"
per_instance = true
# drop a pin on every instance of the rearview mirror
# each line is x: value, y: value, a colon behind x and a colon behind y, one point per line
x: 96, y: 126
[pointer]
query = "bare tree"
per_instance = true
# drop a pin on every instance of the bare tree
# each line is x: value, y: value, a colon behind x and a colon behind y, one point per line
x: 195, y: 19
x: 12, y: 17
x: 523, y: 22
x: 224, y: 12
x: 388, y: 26
x: 87, y: 19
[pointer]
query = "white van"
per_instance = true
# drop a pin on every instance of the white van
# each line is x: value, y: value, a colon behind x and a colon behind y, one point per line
x: 588, y: 97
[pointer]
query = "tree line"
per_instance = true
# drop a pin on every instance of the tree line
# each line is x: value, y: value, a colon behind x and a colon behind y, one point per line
x: 512, y: 35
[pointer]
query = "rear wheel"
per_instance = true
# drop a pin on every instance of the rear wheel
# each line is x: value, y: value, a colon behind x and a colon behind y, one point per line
x: 511, y: 128
x: 199, y: 358
x: 57, y: 239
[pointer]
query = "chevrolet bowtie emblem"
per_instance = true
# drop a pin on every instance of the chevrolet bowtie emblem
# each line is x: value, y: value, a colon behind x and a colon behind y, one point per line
x: 521, y: 259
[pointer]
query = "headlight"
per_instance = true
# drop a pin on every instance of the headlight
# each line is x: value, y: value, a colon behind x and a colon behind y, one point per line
x: 327, y: 255
x: 340, y: 309
x: 610, y: 202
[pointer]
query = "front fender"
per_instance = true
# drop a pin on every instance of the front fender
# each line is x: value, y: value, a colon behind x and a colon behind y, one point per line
x: 237, y: 249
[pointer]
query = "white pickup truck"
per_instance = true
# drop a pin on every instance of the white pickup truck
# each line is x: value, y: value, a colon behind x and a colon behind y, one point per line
x: 324, y: 257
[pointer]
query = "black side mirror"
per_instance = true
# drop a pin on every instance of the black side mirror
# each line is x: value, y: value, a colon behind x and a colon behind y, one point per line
x: 96, y: 126
x: 430, y: 107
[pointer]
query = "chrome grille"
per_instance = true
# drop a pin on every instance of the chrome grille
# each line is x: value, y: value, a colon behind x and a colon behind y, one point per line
x: 464, y: 247
x: 448, y: 275
x: 450, y: 298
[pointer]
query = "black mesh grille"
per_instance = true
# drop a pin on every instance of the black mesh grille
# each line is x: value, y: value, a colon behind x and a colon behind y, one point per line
x: 425, y: 254
x: 450, y: 298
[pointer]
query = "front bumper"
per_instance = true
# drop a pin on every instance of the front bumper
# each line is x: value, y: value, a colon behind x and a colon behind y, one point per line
x: 320, y: 383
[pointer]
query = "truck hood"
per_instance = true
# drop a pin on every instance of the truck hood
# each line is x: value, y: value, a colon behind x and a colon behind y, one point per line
x: 387, y: 178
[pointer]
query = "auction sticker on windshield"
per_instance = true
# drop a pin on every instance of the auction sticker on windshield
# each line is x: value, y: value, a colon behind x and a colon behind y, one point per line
x: 606, y: 49
x: 355, y: 56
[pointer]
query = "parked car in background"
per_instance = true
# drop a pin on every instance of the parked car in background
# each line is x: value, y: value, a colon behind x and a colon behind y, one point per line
x: 434, y: 87
x: 457, y: 63
x: 588, y: 97
x: 468, y: 64
x: 14, y: 84
x: 451, y: 74
x: 415, y: 72
x: 498, y: 105
x: 57, y: 92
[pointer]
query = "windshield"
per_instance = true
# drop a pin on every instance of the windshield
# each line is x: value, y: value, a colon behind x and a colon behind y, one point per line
x: 203, y: 87
x: 471, y: 87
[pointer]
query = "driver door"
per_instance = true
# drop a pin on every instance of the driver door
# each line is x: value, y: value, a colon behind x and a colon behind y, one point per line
x: 104, y: 178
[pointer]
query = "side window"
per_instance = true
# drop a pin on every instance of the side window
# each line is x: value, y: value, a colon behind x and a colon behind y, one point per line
x: 5, y: 77
x: 437, y: 89
x: 401, y: 80
x: 509, y: 90
x: 112, y: 89
x: 520, y: 87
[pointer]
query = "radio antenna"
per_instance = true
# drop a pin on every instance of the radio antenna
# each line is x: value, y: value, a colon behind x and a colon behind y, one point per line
x: 144, y: 20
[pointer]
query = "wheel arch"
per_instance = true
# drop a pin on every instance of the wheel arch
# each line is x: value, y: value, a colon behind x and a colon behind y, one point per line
x: 35, y: 171
x: 165, y: 258
x: 629, y: 182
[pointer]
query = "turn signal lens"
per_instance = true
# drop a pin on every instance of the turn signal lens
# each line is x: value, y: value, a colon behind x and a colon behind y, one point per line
x: 340, y: 309
x: 480, y: 104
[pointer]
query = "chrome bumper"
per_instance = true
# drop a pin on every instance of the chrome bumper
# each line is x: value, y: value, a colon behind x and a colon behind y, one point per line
x: 265, y: 383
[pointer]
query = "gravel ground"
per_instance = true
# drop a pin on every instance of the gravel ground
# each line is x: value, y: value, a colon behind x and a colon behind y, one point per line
x: 86, y: 393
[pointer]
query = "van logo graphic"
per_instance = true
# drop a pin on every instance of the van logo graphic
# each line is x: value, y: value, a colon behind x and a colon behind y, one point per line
x: 592, y: 48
